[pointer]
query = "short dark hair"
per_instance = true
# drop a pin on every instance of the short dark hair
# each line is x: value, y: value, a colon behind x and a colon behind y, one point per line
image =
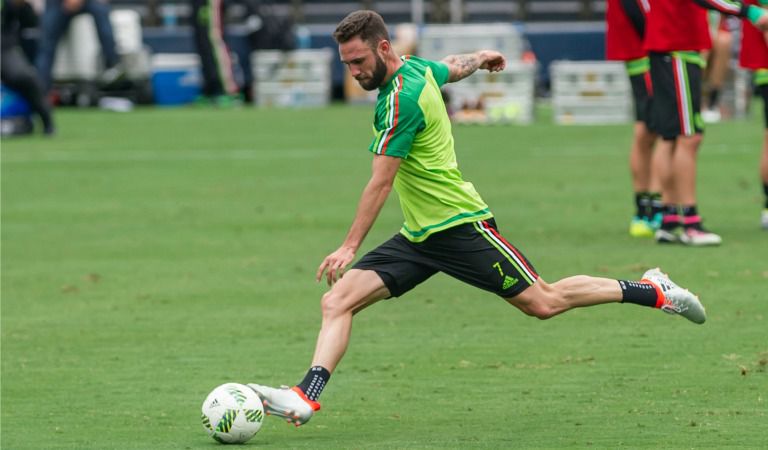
x: 364, y: 23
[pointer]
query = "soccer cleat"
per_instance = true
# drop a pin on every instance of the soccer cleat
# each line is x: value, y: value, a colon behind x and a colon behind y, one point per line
x: 667, y: 236
x: 674, y: 299
x: 640, y: 228
x: 289, y: 403
x: 656, y: 221
x: 697, y: 236
x: 764, y: 219
x: 711, y: 115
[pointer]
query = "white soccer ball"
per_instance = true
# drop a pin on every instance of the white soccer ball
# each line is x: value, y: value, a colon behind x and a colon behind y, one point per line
x: 232, y: 413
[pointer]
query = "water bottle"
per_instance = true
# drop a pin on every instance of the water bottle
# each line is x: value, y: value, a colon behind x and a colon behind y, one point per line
x: 303, y: 37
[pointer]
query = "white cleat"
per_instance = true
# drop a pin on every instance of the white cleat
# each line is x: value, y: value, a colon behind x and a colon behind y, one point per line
x: 666, y: 236
x: 289, y: 403
x: 699, y: 237
x: 764, y: 219
x: 711, y: 115
x: 676, y: 299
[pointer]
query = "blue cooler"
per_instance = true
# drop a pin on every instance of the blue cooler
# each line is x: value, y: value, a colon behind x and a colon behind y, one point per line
x: 176, y: 78
x: 15, y: 113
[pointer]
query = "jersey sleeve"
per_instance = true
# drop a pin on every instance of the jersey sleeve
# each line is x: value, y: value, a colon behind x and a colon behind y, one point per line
x: 732, y: 7
x: 439, y: 71
x: 636, y: 14
x: 397, y: 121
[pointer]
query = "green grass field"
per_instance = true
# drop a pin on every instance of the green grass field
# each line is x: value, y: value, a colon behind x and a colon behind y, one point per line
x: 148, y: 257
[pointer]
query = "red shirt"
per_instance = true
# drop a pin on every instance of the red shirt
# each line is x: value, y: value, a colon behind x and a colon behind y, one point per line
x: 681, y: 25
x: 754, y: 50
x: 622, y: 43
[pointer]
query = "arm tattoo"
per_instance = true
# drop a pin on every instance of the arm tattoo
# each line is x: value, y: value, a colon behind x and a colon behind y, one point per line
x: 462, y: 66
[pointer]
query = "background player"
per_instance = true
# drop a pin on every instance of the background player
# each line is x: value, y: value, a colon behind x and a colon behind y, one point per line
x: 625, y: 27
x: 676, y: 32
x: 754, y: 56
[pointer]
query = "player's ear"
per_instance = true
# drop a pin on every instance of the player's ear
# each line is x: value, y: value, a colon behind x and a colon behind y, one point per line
x: 384, y: 47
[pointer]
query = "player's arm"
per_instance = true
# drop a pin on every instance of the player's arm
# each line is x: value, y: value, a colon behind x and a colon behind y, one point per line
x: 636, y: 13
x: 371, y: 201
x: 462, y: 66
x: 755, y: 14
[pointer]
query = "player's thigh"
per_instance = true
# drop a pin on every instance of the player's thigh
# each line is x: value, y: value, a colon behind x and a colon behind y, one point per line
x: 399, y: 263
x: 477, y: 254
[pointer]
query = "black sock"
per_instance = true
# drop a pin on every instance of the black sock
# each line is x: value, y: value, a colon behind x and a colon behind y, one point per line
x: 638, y: 293
x: 714, y: 96
x: 656, y: 206
x: 642, y: 204
x: 765, y: 190
x: 689, y: 211
x: 671, y: 218
x: 691, y: 217
x: 314, y: 382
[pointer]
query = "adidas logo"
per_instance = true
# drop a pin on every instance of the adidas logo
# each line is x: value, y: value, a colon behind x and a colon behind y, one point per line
x: 509, y: 282
x: 214, y: 403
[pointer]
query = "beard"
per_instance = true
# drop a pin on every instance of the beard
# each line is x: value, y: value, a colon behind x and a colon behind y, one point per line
x: 377, y: 78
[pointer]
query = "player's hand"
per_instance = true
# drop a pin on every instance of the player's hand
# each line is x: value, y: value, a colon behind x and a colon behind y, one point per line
x: 762, y: 23
x: 72, y: 6
x: 493, y: 61
x: 334, y: 264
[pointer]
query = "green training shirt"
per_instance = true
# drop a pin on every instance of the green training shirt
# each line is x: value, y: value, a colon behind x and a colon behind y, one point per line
x: 411, y: 123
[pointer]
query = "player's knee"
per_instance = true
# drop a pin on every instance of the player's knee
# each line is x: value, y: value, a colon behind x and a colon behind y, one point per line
x: 539, y: 301
x: 332, y: 304
x: 692, y: 142
x: 541, y: 311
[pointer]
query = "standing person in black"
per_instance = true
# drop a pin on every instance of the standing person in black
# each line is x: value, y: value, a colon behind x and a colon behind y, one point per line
x: 219, y: 83
x: 16, y: 71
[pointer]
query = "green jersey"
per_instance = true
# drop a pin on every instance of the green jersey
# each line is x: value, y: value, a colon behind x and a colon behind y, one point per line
x: 411, y: 123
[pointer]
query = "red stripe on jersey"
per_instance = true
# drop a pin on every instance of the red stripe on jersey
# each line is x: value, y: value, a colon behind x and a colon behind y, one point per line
x: 397, y: 115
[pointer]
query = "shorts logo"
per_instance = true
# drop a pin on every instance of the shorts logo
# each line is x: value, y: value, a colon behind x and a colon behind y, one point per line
x: 508, y: 281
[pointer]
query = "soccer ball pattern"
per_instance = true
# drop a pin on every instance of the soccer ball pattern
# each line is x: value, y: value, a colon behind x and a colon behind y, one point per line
x: 232, y: 413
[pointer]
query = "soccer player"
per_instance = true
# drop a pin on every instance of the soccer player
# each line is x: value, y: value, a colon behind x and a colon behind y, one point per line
x: 718, y: 63
x: 754, y: 56
x: 448, y: 228
x: 625, y: 27
x: 676, y: 32
x: 219, y: 85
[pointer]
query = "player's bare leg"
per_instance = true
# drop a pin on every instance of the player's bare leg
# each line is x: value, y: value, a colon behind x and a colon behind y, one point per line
x: 640, y: 157
x: 656, y: 290
x: 685, y: 170
x: 684, y: 167
x: 662, y: 166
x: 544, y: 300
x: 355, y: 291
x: 644, y: 181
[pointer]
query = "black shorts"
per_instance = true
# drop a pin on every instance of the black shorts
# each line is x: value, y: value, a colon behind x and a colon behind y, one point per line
x: 641, y: 93
x: 474, y: 253
x: 676, y: 105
